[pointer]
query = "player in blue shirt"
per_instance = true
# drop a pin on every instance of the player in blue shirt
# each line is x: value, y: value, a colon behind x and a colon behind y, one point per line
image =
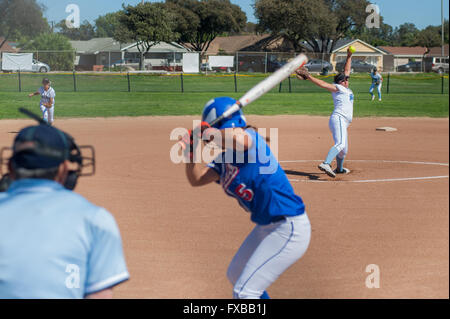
x: 53, y: 242
x: 377, y: 81
x: 248, y: 171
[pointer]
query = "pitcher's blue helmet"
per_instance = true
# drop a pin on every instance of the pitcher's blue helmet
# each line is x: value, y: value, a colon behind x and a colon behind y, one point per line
x: 216, y: 107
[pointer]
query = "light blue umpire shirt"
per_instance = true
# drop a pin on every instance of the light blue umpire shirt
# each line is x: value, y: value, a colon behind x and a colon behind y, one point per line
x: 56, y: 244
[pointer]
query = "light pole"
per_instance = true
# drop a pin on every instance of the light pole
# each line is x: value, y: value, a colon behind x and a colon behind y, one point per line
x: 442, y: 26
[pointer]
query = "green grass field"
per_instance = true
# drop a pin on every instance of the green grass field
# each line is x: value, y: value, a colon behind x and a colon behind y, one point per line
x: 416, y: 95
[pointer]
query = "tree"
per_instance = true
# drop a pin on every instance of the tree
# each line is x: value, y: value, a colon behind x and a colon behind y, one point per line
x: 321, y: 23
x: 85, y: 32
x: 375, y: 36
x: 428, y: 37
x: 405, y: 35
x: 106, y: 26
x: 62, y: 60
x: 147, y: 24
x: 200, y: 22
x: 21, y: 18
x: 431, y: 36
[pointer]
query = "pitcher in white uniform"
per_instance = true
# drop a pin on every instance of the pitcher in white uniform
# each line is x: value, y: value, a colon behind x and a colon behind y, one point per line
x: 340, y: 118
x: 47, y: 103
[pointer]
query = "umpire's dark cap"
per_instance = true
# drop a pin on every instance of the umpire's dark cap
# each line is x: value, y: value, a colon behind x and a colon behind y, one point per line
x: 40, y: 146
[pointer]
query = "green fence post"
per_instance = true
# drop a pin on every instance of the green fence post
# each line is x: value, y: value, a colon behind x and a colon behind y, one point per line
x: 442, y: 87
x: 129, y: 84
x: 20, y: 82
x: 182, y: 83
x: 74, y: 82
x: 235, y: 82
x: 389, y: 77
x: 290, y: 86
x: 279, y: 89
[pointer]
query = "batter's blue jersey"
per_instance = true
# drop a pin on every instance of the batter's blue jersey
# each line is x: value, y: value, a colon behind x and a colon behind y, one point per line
x: 258, y: 182
x: 56, y: 244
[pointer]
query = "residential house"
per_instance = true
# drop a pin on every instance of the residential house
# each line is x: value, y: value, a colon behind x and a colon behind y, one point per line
x: 402, y: 55
x: 364, y: 52
x: 9, y: 47
x: 102, y: 53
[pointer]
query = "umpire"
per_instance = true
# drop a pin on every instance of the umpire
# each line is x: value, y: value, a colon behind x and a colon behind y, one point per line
x: 53, y: 242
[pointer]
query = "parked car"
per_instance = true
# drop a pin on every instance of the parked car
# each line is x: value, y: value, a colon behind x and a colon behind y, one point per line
x: 273, y: 64
x: 257, y: 64
x: 318, y: 65
x: 410, y: 67
x: 41, y: 67
x: 205, y: 67
x: 439, y: 65
x: 36, y: 66
x: 357, y: 66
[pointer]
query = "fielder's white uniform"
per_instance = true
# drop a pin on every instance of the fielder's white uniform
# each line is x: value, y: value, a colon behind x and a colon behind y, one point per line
x: 340, y: 120
x: 47, y: 113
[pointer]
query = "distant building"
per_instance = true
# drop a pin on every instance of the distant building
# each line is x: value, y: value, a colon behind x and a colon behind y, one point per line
x: 364, y: 52
x: 9, y: 47
x: 108, y: 53
x: 437, y: 51
x: 236, y: 43
x: 404, y: 55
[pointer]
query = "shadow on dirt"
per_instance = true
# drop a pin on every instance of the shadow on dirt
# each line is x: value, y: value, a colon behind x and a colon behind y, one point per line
x: 310, y: 176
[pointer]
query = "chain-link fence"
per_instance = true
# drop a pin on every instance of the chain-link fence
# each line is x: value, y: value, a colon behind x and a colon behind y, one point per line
x: 116, y: 71
x: 239, y: 62
x: 215, y: 82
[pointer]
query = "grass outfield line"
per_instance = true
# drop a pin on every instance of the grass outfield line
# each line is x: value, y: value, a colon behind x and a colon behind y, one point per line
x: 110, y: 104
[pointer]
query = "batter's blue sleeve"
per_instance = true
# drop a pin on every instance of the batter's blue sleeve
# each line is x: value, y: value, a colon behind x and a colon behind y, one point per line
x: 216, y: 164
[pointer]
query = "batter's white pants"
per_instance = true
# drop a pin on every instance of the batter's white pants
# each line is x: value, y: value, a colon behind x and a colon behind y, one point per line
x: 266, y: 253
x: 47, y: 113
x: 338, y: 126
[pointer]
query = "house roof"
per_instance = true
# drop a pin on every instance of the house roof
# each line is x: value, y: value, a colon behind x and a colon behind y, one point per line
x: 404, y: 51
x: 339, y: 46
x: 160, y: 47
x: 235, y: 43
x: 436, y: 51
x: 414, y: 51
x: 6, y: 47
x: 96, y: 45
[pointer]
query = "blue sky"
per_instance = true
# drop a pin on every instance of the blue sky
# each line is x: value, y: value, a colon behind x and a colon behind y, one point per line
x: 421, y: 13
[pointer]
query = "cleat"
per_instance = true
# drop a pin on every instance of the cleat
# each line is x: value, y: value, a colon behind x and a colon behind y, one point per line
x: 344, y: 171
x: 327, y: 169
x: 373, y: 97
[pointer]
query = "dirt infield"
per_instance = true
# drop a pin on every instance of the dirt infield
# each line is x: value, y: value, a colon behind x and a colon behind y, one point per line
x: 392, y: 210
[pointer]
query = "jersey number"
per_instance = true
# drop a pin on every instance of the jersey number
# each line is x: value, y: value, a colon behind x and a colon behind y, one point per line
x: 243, y: 193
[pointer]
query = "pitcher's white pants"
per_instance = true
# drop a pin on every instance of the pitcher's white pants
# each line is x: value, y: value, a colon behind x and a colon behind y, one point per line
x: 266, y: 253
x: 47, y: 113
x: 338, y: 126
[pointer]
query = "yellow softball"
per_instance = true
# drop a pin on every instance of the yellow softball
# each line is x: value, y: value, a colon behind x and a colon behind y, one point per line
x: 352, y: 49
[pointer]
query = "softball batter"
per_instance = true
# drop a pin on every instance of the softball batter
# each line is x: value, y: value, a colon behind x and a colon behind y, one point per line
x: 282, y: 232
x: 377, y: 81
x: 47, y: 103
x: 340, y: 118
